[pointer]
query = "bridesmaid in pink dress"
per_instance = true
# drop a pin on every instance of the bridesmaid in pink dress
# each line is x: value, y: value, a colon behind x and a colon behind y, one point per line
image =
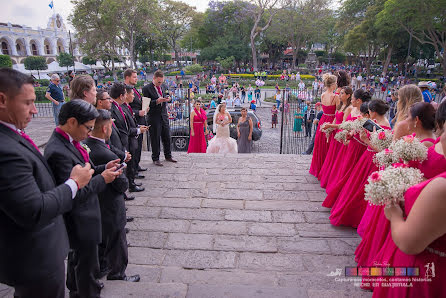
x: 350, y: 204
x: 335, y: 147
x: 198, y: 124
x: 418, y: 239
x: 355, y: 148
x: 374, y: 227
x: 328, y: 100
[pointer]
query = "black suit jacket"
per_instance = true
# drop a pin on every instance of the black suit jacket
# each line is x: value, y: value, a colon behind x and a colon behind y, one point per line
x: 157, y: 111
x: 136, y: 107
x: 111, y: 200
x: 309, y: 115
x: 131, y: 122
x: 123, y: 127
x: 115, y: 144
x: 83, y: 222
x: 33, y: 238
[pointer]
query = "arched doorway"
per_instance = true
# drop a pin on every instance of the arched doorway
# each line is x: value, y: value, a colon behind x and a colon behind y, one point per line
x: 34, y: 48
x: 47, y: 47
x: 20, y: 47
x: 60, y: 46
x: 5, y: 46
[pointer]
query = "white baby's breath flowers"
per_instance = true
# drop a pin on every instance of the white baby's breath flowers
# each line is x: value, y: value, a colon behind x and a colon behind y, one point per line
x: 349, y: 127
x: 327, y: 130
x: 381, y: 139
x: 388, y: 186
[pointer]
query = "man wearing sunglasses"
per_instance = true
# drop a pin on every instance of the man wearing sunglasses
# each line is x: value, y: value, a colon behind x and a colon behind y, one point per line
x: 54, y: 94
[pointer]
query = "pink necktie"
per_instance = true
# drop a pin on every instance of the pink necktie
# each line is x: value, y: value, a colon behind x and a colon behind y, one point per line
x: 159, y: 91
x: 26, y: 137
x: 76, y: 144
x: 129, y: 107
x: 120, y: 109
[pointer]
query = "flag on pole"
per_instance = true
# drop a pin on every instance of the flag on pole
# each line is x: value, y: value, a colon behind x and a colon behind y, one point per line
x: 51, y: 5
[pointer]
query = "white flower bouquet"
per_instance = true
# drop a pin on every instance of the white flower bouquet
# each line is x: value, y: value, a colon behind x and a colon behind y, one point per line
x: 409, y: 148
x: 327, y: 130
x: 384, y: 158
x: 381, y: 139
x: 388, y: 186
x: 349, y: 127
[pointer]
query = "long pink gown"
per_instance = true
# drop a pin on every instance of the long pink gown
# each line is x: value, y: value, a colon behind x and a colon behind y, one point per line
x: 350, y: 204
x: 320, y: 141
x: 197, y: 143
x: 349, y: 161
x: 333, y: 152
x: 336, y: 166
x: 374, y: 225
x: 430, y: 258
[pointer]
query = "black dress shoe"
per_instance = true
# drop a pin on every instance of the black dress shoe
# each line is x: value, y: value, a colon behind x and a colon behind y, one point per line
x: 142, y: 169
x: 126, y: 230
x: 138, y: 183
x: 158, y: 163
x: 130, y: 218
x: 135, y: 188
x: 131, y: 278
x: 129, y: 198
x: 171, y: 159
x: 139, y: 176
x: 102, y: 273
x: 100, y: 285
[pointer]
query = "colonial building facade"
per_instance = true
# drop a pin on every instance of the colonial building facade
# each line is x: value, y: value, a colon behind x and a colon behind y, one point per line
x: 19, y: 41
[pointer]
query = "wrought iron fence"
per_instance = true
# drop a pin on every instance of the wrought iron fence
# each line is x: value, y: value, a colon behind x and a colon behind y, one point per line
x: 178, y: 111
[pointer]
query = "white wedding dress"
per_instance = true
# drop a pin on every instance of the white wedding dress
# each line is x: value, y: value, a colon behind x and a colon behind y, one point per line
x: 222, y: 142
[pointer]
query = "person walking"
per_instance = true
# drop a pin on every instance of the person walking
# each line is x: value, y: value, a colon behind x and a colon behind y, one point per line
x: 54, y: 93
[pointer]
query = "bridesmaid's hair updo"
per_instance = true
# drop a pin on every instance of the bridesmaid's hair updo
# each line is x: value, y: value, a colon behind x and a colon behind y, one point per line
x: 362, y: 95
x: 364, y: 108
x: 378, y: 106
x: 425, y: 112
x: 343, y: 78
x: 328, y: 79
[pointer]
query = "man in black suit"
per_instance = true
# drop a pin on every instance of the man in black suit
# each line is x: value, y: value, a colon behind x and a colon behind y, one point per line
x: 309, y: 116
x: 130, y: 79
x: 113, y: 252
x: 158, y: 118
x: 62, y: 152
x: 33, y: 238
x: 128, y: 131
x: 104, y: 101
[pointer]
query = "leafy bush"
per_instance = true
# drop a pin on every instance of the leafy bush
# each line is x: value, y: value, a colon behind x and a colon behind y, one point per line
x: 5, y: 61
x: 40, y: 93
x: 194, y: 68
x: 43, y: 82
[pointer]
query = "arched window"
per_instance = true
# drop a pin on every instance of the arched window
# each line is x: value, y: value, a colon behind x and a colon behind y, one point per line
x: 34, y: 49
x: 18, y: 48
x: 47, y: 49
x: 5, y: 49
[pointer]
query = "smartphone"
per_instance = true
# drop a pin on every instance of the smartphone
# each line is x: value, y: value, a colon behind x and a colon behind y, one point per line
x: 120, y: 166
x: 369, y: 125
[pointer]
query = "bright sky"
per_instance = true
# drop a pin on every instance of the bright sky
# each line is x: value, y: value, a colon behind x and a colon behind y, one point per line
x: 35, y: 13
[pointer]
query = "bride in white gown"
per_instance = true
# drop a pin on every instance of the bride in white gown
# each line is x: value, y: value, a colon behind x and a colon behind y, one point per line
x: 222, y: 142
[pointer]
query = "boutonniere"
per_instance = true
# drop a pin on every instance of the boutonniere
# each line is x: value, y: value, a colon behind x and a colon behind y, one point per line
x: 86, y: 148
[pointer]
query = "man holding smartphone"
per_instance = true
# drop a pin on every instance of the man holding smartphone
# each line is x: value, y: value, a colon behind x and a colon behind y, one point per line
x: 158, y: 118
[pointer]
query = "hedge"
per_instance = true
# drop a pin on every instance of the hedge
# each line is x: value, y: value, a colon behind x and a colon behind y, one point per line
x: 247, y: 75
x: 40, y: 93
x: 43, y: 82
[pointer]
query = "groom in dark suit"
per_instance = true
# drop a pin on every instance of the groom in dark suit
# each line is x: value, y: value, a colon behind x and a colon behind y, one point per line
x: 33, y: 238
x: 158, y: 118
x: 63, y: 151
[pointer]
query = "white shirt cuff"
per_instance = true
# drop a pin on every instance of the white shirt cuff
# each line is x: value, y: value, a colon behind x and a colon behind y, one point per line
x: 73, y: 186
x: 138, y: 130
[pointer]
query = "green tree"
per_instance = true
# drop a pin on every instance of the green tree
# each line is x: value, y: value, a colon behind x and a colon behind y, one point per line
x: 35, y: 63
x: 226, y: 63
x: 65, y: 60
x: 425, y: 21
x: 5, y: 61
x: 88, y: 61
x: 194, y: 68
x: 176, y: 21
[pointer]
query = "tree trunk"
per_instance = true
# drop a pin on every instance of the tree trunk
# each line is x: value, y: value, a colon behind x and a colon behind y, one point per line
x: 294, y: 58
x: 115, y: 77
x: 253, y: 53
x: 386, y: 64
x: 38, y: 73
x: 443, y: 63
